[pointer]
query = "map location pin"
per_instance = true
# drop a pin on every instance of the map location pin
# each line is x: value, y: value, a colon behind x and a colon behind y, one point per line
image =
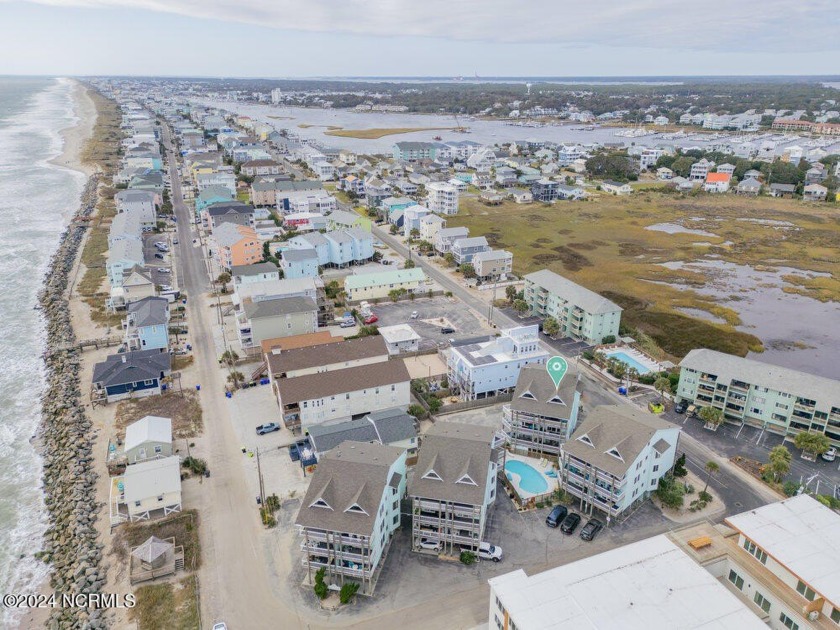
x: 556, y: 368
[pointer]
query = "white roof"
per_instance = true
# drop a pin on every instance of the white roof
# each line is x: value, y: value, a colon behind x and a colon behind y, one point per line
x: 148, y: 429
x: 152, y: 478
x: 398, y: 333
x: 646, y: 585
x: 801, y: 534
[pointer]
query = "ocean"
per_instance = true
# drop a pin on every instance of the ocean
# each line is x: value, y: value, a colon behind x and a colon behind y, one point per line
x: 36, y: 201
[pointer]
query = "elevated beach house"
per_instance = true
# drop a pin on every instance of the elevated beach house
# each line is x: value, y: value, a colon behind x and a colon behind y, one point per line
x: 130, y: 375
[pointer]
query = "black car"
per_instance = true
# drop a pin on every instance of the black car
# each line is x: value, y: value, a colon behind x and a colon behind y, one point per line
x: 447, y: 331
x: 681, y: 406
x: 570, y: 523
x: 556, y: 516
x: 591, y: 529
x: 159, y: 256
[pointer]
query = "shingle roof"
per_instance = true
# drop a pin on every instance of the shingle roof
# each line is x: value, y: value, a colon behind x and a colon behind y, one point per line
x: 299, y: 255
x: 618, y: 427
x: 221, y: 209
x: 312, y: 386
x: 309, y: 357
x: 727, y: 367
x: 453, y: 450
x: 384, y: 427
x: 131, y: 367
x: 149, y: 311
x: 534, y: 379
x: 278, y: 307
x: 352, y: 474
x: 574, y: 293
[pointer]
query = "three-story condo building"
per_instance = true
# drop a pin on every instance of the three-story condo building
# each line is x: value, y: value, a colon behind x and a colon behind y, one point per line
x: 778, y: 399
x: 582, y: 314
x: 453, y: 487
x: 351, y: 512
x: 541, y: 417
x: 617, y: 458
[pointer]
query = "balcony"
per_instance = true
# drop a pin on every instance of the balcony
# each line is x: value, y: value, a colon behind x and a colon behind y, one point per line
x: 320, y: 549
x: 346, y: 539
x: 352, y: 571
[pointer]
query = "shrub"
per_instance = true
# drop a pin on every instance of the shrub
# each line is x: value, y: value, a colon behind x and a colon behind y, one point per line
x: 434, y: 405
x: 195, y: 465
x: 679, y: 467
x: 416, y: 410
x: 705, y: 496
x: 272, y: 503
x: 347, y: 592
x: 670, y: 493
x: 467, y: 557
x: 320, y: 586
x: 608, y: 339
x: 790, y: 488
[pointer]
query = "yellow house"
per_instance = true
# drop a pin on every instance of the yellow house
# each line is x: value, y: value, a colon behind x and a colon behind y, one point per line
x: 374, y: 286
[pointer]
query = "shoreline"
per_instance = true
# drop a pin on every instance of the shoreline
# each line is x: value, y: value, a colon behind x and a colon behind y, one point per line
x: 76, y: 136
x: 70, y: 546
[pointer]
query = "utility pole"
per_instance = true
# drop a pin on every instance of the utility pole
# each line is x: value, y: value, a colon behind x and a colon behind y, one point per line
x: 259, y: 475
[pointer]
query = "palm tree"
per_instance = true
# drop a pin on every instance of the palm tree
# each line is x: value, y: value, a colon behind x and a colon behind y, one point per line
x: 711, y: 468
x: 662, y: 385
x: 778, y: 462
x: 632, y: 376
x: 712, y: 416
x: 223, y: 279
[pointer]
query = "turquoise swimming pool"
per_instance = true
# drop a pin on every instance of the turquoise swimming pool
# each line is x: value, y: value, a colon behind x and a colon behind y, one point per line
x: 629, y: 361
x: 530, y: 479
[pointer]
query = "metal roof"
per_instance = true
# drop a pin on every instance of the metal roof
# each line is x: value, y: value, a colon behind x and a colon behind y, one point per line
x: 152, y: 478
x: 148, y: 429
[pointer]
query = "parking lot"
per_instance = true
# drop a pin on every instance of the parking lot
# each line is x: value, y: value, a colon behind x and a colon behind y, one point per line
x: 432, y: 315
x: 155, y: 264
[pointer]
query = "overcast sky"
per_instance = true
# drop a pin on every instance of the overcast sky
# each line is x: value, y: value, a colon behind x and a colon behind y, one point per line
x: 289, y: 38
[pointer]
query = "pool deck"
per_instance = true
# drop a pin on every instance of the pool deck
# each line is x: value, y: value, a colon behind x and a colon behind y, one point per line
x: 640, y: 357
x: 541, y: 466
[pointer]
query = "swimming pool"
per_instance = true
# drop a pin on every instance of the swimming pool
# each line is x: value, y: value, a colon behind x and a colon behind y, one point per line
x: 629, y: 361
x: 530, y: 480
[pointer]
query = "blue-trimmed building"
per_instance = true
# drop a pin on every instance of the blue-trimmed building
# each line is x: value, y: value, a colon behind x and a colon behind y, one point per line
x: 130, y: 375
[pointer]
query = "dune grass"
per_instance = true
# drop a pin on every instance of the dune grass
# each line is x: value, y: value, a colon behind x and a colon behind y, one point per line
x: 603, y: 245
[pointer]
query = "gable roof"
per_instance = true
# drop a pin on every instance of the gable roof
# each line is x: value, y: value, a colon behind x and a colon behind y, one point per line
x: 152, y: 478
x: 254, y: 270
x: 449, y: 451
x: 278, y: 306
x: 149, y: 311
x: 148, y: 429
x: 614, y: 428
x: 314, y: 356
x: 718, y: 178
x: 132, y: 367
x: 312, y: 386
x: 534, y: 379
x: 384, y: 427
x: 352, y: 474
x: 573, y: 292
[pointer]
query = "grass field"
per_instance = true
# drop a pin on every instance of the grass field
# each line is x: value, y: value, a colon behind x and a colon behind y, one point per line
x: 375, y: 134
x: 167, y: 605
x: 603, y: 245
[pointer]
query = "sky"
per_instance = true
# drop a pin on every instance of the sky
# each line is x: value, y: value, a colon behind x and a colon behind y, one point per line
x: 305, y: 38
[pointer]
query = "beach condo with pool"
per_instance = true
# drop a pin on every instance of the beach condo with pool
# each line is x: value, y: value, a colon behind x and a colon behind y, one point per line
x: 775, y: 398
x: 582, y: 314
x: 541, y: 417
x: 616, y: 458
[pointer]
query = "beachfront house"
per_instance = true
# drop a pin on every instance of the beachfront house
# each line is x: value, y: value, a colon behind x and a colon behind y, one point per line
x: 616, y: 458
x: 150, y: 437
x: 453, y: 487
x: 130, y: 375
x: 582, y: 314
x: 541, y: 416
x: 146, y: 491
x: 351, y: 512
x: 147, y: 324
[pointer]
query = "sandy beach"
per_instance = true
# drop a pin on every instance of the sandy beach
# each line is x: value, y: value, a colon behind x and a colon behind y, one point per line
x: 76, y: 136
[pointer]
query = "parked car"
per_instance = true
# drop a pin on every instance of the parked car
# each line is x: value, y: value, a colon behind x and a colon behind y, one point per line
x: 165, y: 287
x: 174, y: 241
x: 160, y: 256
x: 268, y: 427
x: 570, y: 523
x: 556, y: 516
x: 447, y: 330
x: 830, y: 454
x: 164, y: 269
x: 430, y: 545
x: 681, y: 406
x: 414, y: 315
x: 371, y: 320
x: 347, y: 323
x: 591, y: 529
x: 486, y: 551
x: 295, y: 449
x: 219, y: 626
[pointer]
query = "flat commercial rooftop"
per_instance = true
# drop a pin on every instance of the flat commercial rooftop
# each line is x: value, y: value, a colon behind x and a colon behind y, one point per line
x: 803, y: 535
x: 648, y: 585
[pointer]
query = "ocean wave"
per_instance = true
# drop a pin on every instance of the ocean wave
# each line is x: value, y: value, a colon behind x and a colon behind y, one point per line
x: 35, y: 198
